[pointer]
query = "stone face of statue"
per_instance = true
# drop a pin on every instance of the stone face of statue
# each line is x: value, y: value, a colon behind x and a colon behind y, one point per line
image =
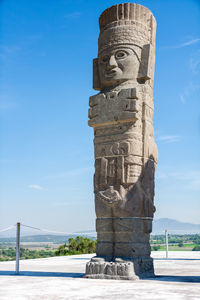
x: 117, y: 65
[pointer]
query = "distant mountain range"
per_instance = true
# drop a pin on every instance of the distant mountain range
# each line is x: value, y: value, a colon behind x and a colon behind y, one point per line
x: 47, y: 238
x: 174, y: 227
x: 159, y: 226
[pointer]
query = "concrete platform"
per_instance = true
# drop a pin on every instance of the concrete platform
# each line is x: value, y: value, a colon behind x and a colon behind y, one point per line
x: 61, y: 278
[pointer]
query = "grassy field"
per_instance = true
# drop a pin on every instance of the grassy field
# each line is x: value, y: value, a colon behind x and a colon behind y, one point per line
x: 174, y: 247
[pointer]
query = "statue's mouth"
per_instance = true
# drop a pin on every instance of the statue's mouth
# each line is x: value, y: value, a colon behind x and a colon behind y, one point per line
x: 110, y: 73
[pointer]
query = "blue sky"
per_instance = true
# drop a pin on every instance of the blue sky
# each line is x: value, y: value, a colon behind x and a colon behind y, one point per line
x: 46, y: 146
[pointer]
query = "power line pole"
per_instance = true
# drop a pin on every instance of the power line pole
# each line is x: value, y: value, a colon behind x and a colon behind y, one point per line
x: 17, y: 248
x: 166, y: 241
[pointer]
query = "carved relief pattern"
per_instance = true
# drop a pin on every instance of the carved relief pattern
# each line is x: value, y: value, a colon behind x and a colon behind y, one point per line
x: 121, y: 153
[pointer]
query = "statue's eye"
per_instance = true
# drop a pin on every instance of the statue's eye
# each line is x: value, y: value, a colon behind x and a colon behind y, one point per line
x: 105, y: 58
x: 120, y: 54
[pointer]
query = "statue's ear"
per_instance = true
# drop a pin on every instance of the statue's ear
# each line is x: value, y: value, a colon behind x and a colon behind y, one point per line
x: 96, y: 79
x: 146, y: 70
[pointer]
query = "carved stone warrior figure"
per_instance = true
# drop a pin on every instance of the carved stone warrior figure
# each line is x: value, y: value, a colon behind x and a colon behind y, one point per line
x: 125, y: 152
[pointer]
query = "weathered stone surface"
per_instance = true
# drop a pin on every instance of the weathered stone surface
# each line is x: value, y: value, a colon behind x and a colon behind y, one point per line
x: 120, y: 269
x: 125, y: 151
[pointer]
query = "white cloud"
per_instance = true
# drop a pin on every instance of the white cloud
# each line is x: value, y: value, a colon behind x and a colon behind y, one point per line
x: 189, y: 178
x: 188, y: 91
x: 69, y: 173
x: 63, y: 203
x: 188, y: 43
x: 194, y: 62
x: 169, y: 138
x: 6, y: 105
x: 182, y: 45
x: 36, y: 187
x: 73, y: 15
x: 182, y: 98
x: 7, y: 101
x: 10, y: 49
x: 161, y: 175
x: 192, y: 179
x: 194, y: 184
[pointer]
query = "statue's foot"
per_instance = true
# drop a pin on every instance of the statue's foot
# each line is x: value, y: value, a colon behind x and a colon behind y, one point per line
x: 101, y: 259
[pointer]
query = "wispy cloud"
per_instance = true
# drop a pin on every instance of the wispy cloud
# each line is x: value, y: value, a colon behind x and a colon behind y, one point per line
x: 182, y: 45
x: 7, y: 100
x: 188, y: 43
x: 161, y: 175
x: 169, y: 138
x: 194, y: 184
x: 6, y: 105
x: 70, y: 173
x: 194, y: 62
x: 73, y: 15
x: 36, y: 187
x: 191, y: 178
x: 32, y: 38
x: 188, y: 90
x: 10, y: 51
x: 64, y: 203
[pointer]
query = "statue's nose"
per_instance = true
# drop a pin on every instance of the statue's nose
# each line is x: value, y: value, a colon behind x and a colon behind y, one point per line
x: 112, y: 62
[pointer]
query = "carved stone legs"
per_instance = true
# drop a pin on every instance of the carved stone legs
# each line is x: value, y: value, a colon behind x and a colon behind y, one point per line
x: 123, y: 237
x: 123, y: 249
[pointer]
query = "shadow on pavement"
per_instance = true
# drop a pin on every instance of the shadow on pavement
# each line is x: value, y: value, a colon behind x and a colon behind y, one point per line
x: 80, y: 275
x: 41, y: 274
x: 167, y: 259
x: 176, y: 278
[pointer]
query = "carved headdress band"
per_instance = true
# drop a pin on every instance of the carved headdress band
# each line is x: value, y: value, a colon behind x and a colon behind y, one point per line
x: 126, y: 23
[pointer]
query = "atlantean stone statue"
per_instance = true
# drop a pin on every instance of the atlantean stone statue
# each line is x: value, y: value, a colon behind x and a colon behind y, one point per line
x: 125, y: 151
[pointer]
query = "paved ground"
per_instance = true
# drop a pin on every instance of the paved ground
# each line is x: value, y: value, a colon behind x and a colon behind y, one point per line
x: 61, y: 278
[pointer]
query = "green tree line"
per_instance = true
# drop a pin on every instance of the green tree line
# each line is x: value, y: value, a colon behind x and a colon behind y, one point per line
x: 84, y: 245
x: 79, y: 245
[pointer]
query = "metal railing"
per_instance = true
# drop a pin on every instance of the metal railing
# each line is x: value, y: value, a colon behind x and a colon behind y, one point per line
x: 18, y: 233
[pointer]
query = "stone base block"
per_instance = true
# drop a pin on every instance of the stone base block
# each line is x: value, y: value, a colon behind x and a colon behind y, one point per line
x: 131, y: 269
